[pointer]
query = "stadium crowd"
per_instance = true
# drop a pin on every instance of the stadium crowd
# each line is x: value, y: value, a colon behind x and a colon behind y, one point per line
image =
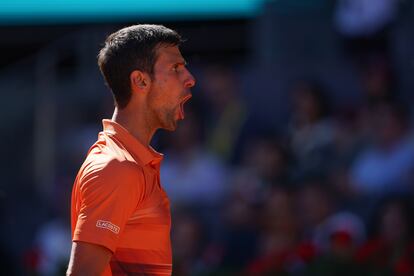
x: 329, y: 195
x: 329, y: 192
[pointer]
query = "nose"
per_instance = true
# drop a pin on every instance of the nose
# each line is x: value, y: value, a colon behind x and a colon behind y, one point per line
x: 190, y: 80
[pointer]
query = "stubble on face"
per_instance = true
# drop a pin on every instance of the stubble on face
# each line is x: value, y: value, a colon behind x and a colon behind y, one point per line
x: 161, y: 107
x: 160, y: 116
x: 168, y: 122
x: 165, y: 84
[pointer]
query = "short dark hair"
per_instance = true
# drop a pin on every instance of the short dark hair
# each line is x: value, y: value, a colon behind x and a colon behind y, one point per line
x: 132, y: 48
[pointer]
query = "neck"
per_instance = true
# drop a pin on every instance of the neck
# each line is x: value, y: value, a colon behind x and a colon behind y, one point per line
x: 136, y: 124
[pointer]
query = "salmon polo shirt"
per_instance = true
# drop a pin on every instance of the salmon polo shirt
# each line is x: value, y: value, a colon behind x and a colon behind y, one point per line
x: 118, y: 203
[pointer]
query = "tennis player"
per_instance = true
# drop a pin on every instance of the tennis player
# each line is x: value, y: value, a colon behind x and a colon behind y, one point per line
x: 120, y: 213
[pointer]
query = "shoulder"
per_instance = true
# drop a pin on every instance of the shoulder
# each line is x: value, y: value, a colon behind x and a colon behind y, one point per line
x: 107, y: 158
x: 108, y: 173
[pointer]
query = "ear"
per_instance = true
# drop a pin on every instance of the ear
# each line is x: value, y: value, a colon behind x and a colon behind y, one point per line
x: 139, y: 81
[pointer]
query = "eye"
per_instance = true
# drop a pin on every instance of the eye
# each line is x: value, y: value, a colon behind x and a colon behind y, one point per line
x: 179, y: 66
x: 175, y: 68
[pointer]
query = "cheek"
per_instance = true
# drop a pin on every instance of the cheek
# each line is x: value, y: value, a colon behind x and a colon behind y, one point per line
x: 152, y: 97
x: 160, y: 100
x: 166, y: 92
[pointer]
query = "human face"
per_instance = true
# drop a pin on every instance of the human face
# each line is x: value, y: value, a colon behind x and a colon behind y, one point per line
x: 170, y: 87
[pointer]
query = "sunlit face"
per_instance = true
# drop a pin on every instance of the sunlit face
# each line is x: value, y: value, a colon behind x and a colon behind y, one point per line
x: 170, y: 87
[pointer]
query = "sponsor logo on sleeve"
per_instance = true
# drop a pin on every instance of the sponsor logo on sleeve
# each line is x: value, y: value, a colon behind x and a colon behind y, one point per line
x: 108, y: 225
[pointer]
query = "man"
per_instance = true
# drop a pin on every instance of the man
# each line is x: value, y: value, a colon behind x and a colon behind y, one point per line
x: 120, y: 213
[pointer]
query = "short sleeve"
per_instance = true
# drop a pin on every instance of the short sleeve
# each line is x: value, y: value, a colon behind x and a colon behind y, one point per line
x: 108, y: 196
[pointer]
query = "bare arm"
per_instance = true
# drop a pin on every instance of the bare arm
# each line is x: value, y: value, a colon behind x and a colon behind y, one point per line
x: 88, y: 259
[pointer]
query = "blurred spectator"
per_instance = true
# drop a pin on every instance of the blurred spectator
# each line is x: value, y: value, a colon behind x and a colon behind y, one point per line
x: 315, y: 203
x: 188, y: 241
x: 391, y: 250
x: 279, y: 251
x: 50, y: 251
x: 226, y: 111
x: 343, y: 233
x: 191, y: 175
x: 311, y: 132
x: 378, y: 89
x: 53, y: 243
x: 386, y: 164
x: 264, y: 163
x: 267, y: 158
x: 238, y: 242
x: 349, y: 138
x: 358, y: 127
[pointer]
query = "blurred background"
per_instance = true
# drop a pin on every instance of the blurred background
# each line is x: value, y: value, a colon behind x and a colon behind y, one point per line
x: 296, y: 156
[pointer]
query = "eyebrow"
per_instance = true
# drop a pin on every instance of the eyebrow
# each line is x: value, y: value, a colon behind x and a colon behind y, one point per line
x: 181, y: 62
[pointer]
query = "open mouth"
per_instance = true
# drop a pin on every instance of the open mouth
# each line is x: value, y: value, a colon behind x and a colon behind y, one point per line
x: 186, y: 98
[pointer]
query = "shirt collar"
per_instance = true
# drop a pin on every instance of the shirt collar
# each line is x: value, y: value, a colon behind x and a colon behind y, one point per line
x: 147, y: 155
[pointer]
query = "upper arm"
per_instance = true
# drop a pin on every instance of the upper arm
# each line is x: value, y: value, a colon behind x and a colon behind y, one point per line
x: 107, y: 199
x: 88, y: 259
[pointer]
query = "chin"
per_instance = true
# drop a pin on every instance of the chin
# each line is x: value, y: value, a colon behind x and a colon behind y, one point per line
x: 170, y: 127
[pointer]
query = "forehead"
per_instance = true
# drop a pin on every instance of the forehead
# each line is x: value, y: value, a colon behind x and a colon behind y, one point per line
x: 169, y: 54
